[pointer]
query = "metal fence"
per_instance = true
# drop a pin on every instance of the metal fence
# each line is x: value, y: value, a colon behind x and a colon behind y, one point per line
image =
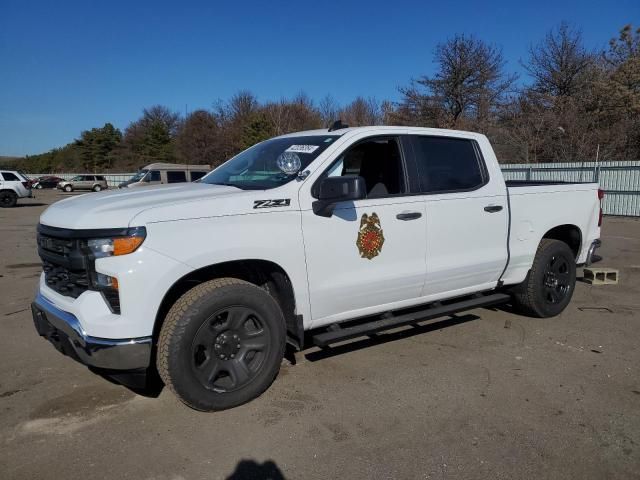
x: 620, y: 180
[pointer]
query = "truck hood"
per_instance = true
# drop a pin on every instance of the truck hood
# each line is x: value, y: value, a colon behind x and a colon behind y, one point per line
x: 117, y: 208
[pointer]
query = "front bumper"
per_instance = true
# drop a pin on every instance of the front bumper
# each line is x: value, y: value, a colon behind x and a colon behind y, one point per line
x: 64, y: 331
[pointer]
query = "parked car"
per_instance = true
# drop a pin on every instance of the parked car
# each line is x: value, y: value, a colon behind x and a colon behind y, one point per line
x: 159, y: 173
x: 48, y: 181
x: 13, y: 185
x: 84, y: 182
x: 309, y: 238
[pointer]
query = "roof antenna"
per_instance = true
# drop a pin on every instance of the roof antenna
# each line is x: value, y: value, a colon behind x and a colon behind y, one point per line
x: 338, y: 125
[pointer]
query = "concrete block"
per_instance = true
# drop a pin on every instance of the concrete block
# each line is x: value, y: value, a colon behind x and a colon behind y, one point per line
x: 601, y: 276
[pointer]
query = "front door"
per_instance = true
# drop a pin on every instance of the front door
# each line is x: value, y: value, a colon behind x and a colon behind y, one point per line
x: 370, y: 252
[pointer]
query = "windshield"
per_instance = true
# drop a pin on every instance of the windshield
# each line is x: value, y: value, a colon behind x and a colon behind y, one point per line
x: 138, y: 176
x: 257, y: 167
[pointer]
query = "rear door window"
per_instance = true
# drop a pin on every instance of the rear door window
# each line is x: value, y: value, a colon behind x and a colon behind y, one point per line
x: 10, y: 177
x: 448, y: 164
x: 176, y: 176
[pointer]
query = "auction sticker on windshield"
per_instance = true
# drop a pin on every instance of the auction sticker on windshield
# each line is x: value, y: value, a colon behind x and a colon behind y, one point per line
x: 302, y: 148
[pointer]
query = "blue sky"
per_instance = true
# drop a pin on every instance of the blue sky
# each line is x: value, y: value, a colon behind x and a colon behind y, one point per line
x: 69, y: 66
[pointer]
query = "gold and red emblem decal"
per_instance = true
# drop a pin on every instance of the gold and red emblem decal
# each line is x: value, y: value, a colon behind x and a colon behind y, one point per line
x: 370, y: 237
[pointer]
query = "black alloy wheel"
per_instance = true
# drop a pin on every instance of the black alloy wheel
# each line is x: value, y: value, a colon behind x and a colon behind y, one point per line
x: 556, y: 280
x: 221, y: 344
x: 230, y: 348
x: 550, y: 283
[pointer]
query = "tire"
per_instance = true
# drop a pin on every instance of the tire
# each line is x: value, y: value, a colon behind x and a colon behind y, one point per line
x: 8, y: 199
x: 39, y: 187
x: 97, y: 188
x: 550, y: 283
x: 68, y: 188
x: 205, y: 353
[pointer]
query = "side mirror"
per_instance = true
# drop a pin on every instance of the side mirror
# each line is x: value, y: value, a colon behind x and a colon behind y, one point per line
x: 338, y: 189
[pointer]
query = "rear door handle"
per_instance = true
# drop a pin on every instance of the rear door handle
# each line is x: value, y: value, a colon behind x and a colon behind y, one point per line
x: 493, y: 208
x: 408, y: 216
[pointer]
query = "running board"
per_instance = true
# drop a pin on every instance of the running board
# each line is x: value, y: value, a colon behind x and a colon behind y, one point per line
x: 340, y: 334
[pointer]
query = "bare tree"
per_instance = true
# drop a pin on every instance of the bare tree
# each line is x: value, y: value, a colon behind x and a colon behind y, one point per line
x: 362, y: 111
x: 559, y: 63
x: 242, y: 104
x: 329, y: 110
x: 470, y: 82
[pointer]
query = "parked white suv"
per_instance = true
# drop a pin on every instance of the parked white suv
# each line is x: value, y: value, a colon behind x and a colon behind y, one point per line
x: 309, y: 238
x: 13, y: 185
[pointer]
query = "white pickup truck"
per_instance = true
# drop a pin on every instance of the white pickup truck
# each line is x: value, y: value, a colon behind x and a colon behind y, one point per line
x: 310, y: 238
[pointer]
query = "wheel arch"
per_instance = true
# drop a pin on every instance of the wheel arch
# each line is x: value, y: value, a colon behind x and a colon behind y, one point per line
x: 569, y: 234
x: 263, y: 273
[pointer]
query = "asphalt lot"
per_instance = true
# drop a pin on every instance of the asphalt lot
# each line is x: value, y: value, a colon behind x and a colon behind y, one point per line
x: 487, y: 395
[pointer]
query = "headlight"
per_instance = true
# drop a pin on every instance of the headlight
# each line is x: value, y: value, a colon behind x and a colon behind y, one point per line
x: 113, y: 247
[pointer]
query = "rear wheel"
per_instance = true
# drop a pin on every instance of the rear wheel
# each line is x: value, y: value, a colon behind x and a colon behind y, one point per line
x: 221, y: 344
x: 8, y: 199
x: 97, y: 188
x: 549, y: 286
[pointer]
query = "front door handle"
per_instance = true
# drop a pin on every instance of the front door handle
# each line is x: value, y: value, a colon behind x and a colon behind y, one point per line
x: 493, y: 208
x: 408, y: 216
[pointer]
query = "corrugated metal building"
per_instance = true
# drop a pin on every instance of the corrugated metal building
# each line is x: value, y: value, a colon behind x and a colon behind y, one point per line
x: 620, y: 180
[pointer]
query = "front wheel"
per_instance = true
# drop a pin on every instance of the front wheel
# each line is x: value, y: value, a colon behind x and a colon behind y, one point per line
x: 68, y: 188
x: 221, y: 344
x: 550, y: 283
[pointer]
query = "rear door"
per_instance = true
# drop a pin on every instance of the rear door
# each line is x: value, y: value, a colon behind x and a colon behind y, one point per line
x: 370, y: 252
x: 86, y: 182
x: 467, y: 216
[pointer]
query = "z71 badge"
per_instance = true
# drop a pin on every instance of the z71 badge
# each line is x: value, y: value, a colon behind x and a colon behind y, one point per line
x: 370, y: 236
x: 280, y: 202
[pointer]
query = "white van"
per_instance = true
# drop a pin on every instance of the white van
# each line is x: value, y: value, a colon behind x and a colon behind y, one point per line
x: 159, y: 173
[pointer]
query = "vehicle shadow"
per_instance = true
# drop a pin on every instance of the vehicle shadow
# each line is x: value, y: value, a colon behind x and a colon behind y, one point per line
x: 251, y: 470
x: 36, y: 204
x: 383, y: 337
x: 145, y: 383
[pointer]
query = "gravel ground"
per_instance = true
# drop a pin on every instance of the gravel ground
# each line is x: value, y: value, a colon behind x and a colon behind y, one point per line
x: 486, y: 395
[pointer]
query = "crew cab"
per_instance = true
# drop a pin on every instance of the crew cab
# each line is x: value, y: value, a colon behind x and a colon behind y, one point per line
x: 310, y: 238
x: 13, y: 185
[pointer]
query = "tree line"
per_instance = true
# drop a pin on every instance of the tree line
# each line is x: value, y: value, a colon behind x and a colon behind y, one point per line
x: 578, y: 105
